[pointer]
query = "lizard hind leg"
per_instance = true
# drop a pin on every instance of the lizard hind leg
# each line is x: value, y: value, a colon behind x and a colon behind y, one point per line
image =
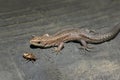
x: 85, y: 46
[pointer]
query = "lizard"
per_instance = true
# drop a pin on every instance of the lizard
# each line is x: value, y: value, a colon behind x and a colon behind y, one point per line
x: 82, y: 35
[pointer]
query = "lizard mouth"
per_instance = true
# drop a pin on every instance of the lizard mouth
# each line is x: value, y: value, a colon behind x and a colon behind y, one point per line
x: 36, y: 43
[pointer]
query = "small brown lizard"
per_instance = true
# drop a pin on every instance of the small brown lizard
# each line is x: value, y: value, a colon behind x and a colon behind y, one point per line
x: 75, y: 34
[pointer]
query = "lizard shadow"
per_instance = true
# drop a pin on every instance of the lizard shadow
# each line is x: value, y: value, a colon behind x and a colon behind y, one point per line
x: 35, y: 47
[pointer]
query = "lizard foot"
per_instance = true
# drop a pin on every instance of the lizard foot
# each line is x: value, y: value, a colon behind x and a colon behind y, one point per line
x: 56, y: 50
x: 86, y: 48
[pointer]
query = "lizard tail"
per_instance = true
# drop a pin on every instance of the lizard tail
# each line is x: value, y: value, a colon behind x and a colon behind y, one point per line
x: 106, y: 36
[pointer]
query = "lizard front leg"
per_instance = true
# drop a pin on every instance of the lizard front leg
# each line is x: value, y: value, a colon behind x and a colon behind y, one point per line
x: 60, y: 46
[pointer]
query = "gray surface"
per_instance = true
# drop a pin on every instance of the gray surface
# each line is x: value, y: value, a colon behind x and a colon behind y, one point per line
x: 19, y: 19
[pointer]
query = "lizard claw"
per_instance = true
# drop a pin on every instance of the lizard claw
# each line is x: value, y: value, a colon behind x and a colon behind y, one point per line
x: 56, y: 50
x: 86, y: 48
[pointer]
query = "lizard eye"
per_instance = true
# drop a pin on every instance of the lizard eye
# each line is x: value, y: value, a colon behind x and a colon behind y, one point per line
x: 38, y: 42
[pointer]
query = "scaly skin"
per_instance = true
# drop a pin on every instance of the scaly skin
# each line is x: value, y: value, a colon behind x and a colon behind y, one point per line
x: 75, y: 34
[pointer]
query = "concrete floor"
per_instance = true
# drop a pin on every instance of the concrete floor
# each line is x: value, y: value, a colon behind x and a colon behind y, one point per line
x: 19, y: 19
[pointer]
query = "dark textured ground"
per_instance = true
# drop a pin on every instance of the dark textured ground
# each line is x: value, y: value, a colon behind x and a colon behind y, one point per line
x: 19, y: 19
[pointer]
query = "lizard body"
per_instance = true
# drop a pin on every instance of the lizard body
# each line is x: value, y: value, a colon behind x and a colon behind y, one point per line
x: 75, y: 34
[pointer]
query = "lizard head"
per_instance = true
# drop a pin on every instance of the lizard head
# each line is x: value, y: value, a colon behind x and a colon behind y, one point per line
x: 40, y: 41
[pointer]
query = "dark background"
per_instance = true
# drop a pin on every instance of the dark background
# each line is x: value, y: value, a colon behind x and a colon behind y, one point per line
x: 19, y: 19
